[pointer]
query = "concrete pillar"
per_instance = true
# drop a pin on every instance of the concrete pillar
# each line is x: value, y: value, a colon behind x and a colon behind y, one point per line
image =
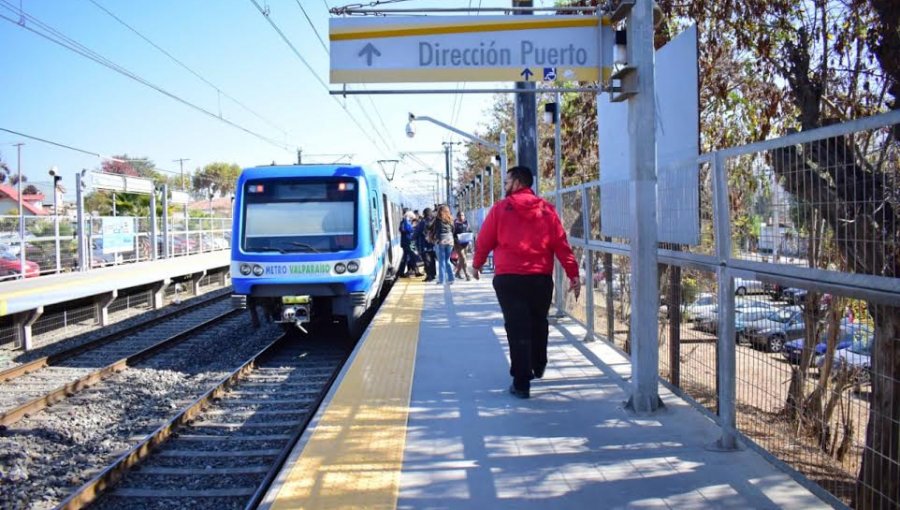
x: 195, y: 282
x: 103, y: 301
x: 158, y: 292
x: 24, y: 321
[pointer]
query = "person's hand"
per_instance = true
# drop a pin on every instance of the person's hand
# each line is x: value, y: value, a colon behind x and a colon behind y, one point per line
x: 476, y: 273
x: 575, y: 287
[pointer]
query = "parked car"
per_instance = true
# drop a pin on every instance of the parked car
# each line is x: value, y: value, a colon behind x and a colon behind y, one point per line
x: 10, y: 265
x: 213, y: 242
x: 795, y: 296
x: 700, y: 308
x: 750, y: 320
x: 744, y: 286
x: 847, y: 334
x: 100, y: 259
x: 709, y: 320
x: 857, y: 358
x: 780, y: 327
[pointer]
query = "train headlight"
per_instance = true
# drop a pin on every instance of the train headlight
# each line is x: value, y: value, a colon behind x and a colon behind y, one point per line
x: 353, y: 266
x: 340, y: 268
x: 258, y: 270
x: 246, y: 269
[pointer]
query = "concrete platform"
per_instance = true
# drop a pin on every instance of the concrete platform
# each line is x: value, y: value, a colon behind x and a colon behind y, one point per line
x: 29, y: 294
x: 469, y: 444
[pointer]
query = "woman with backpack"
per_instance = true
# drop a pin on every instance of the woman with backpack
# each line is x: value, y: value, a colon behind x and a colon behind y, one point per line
x: 442, y: 233
x: 462, y: 236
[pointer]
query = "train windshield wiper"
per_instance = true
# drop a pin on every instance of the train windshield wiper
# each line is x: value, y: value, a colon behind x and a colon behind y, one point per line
x: 306, y: 247
x: 271, y: 248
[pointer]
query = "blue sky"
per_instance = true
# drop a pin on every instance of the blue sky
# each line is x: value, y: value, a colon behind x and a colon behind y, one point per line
x: 54, y: 93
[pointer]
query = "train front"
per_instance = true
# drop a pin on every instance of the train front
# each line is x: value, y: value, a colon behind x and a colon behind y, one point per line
x: 298, y: 250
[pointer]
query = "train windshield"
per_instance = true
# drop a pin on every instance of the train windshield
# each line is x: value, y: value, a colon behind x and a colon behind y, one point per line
x: 300, y: 215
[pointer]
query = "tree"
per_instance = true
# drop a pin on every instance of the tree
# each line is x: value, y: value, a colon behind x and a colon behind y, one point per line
x: 836, y: 61
x: 215, y: 179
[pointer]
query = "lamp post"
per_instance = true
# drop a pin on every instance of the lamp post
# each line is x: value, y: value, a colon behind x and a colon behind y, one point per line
x: 500, y: 148
x: 79, y: 215
x: 480, y: 191
x: 551, y: 114
x: 490, y: 172
x: 54, y: 173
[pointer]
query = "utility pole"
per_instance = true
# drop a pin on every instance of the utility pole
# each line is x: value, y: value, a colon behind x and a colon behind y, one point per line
x: 526, y: 116
x: 181, y: 164
x: 22, y: 270
x: 299, y: 156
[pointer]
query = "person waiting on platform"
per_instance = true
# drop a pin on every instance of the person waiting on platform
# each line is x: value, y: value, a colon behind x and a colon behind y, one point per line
x: 408, y: 262
x: 442, y: 234
x: 462, y: 237
x: 424, y: 246
x: 524, y: 232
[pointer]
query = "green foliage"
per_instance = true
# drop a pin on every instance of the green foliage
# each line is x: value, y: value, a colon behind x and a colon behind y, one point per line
x: 216, y: 179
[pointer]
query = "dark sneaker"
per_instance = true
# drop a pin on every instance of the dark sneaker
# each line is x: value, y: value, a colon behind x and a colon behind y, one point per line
x: 539, y: 372
x: 518, y: 393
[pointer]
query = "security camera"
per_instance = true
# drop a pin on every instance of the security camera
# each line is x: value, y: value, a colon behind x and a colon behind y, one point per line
x: 410, y: 130
x: 54, y: 171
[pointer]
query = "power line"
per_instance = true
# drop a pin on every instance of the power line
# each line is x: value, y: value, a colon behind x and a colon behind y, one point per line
x: 83, y: 151
x: 389, y: 146
x: 185, y: 66
x: 61, y: 39
x: 265, y: 14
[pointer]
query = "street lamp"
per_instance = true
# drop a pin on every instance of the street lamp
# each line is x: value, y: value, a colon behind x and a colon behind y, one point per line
x: 54, y: 173
x: 551, y: 115
x: 480, y: 191
x: 500, y: 148
x: 490, y: 172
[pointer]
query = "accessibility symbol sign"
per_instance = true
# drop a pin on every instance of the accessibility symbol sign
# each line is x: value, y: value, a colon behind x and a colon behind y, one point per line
x: 549, y: 74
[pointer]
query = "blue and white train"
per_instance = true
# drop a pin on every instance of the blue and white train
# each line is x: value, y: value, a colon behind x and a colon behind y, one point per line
x: 313, y: 242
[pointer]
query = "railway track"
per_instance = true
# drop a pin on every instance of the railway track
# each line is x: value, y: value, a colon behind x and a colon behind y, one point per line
x: 225, y: 448
x: 33, y: 386
x: 45, y: 456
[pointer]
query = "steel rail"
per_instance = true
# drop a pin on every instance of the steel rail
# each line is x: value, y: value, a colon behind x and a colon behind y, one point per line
x: 70, y: 389
x: 108, y: 477
x: 289, y: 446
x: 53, y: 359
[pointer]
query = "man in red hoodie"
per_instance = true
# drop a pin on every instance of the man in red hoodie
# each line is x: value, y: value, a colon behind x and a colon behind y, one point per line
x: 524, y: 232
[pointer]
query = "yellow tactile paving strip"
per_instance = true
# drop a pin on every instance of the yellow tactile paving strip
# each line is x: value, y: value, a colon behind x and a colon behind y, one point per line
x: 354, y: 457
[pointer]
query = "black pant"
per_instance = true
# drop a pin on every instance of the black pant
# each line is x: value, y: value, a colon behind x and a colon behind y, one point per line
x: 407, y: 261
x: 428, y: 260
x: 525, y: 302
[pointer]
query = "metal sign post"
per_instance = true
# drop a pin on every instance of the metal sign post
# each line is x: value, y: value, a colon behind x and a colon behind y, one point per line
x: 642, y: 197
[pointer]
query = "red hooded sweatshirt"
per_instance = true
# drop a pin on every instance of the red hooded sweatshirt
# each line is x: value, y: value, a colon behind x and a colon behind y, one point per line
x: 524, y: 232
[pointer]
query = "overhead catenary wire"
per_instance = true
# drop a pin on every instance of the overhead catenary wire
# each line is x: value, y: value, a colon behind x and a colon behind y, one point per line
x: 83, y: 151
x: 389, y: 145
x: 265, y: 14
x: 57, y: 37
x: 187, y: 68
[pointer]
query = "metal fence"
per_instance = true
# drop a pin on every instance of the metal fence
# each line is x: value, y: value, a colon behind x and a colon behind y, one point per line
x: 784, y: 319
x: 49, y: 253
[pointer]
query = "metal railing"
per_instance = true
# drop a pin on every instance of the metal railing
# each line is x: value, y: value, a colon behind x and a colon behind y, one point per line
x: 46, y: 253
x: 782, y: 321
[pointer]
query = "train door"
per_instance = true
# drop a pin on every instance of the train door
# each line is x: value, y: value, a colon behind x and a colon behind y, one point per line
x: 388, y: 229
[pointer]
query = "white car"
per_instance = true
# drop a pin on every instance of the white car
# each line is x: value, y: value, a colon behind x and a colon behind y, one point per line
x: 744, y: 286
x: 701, y: 308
